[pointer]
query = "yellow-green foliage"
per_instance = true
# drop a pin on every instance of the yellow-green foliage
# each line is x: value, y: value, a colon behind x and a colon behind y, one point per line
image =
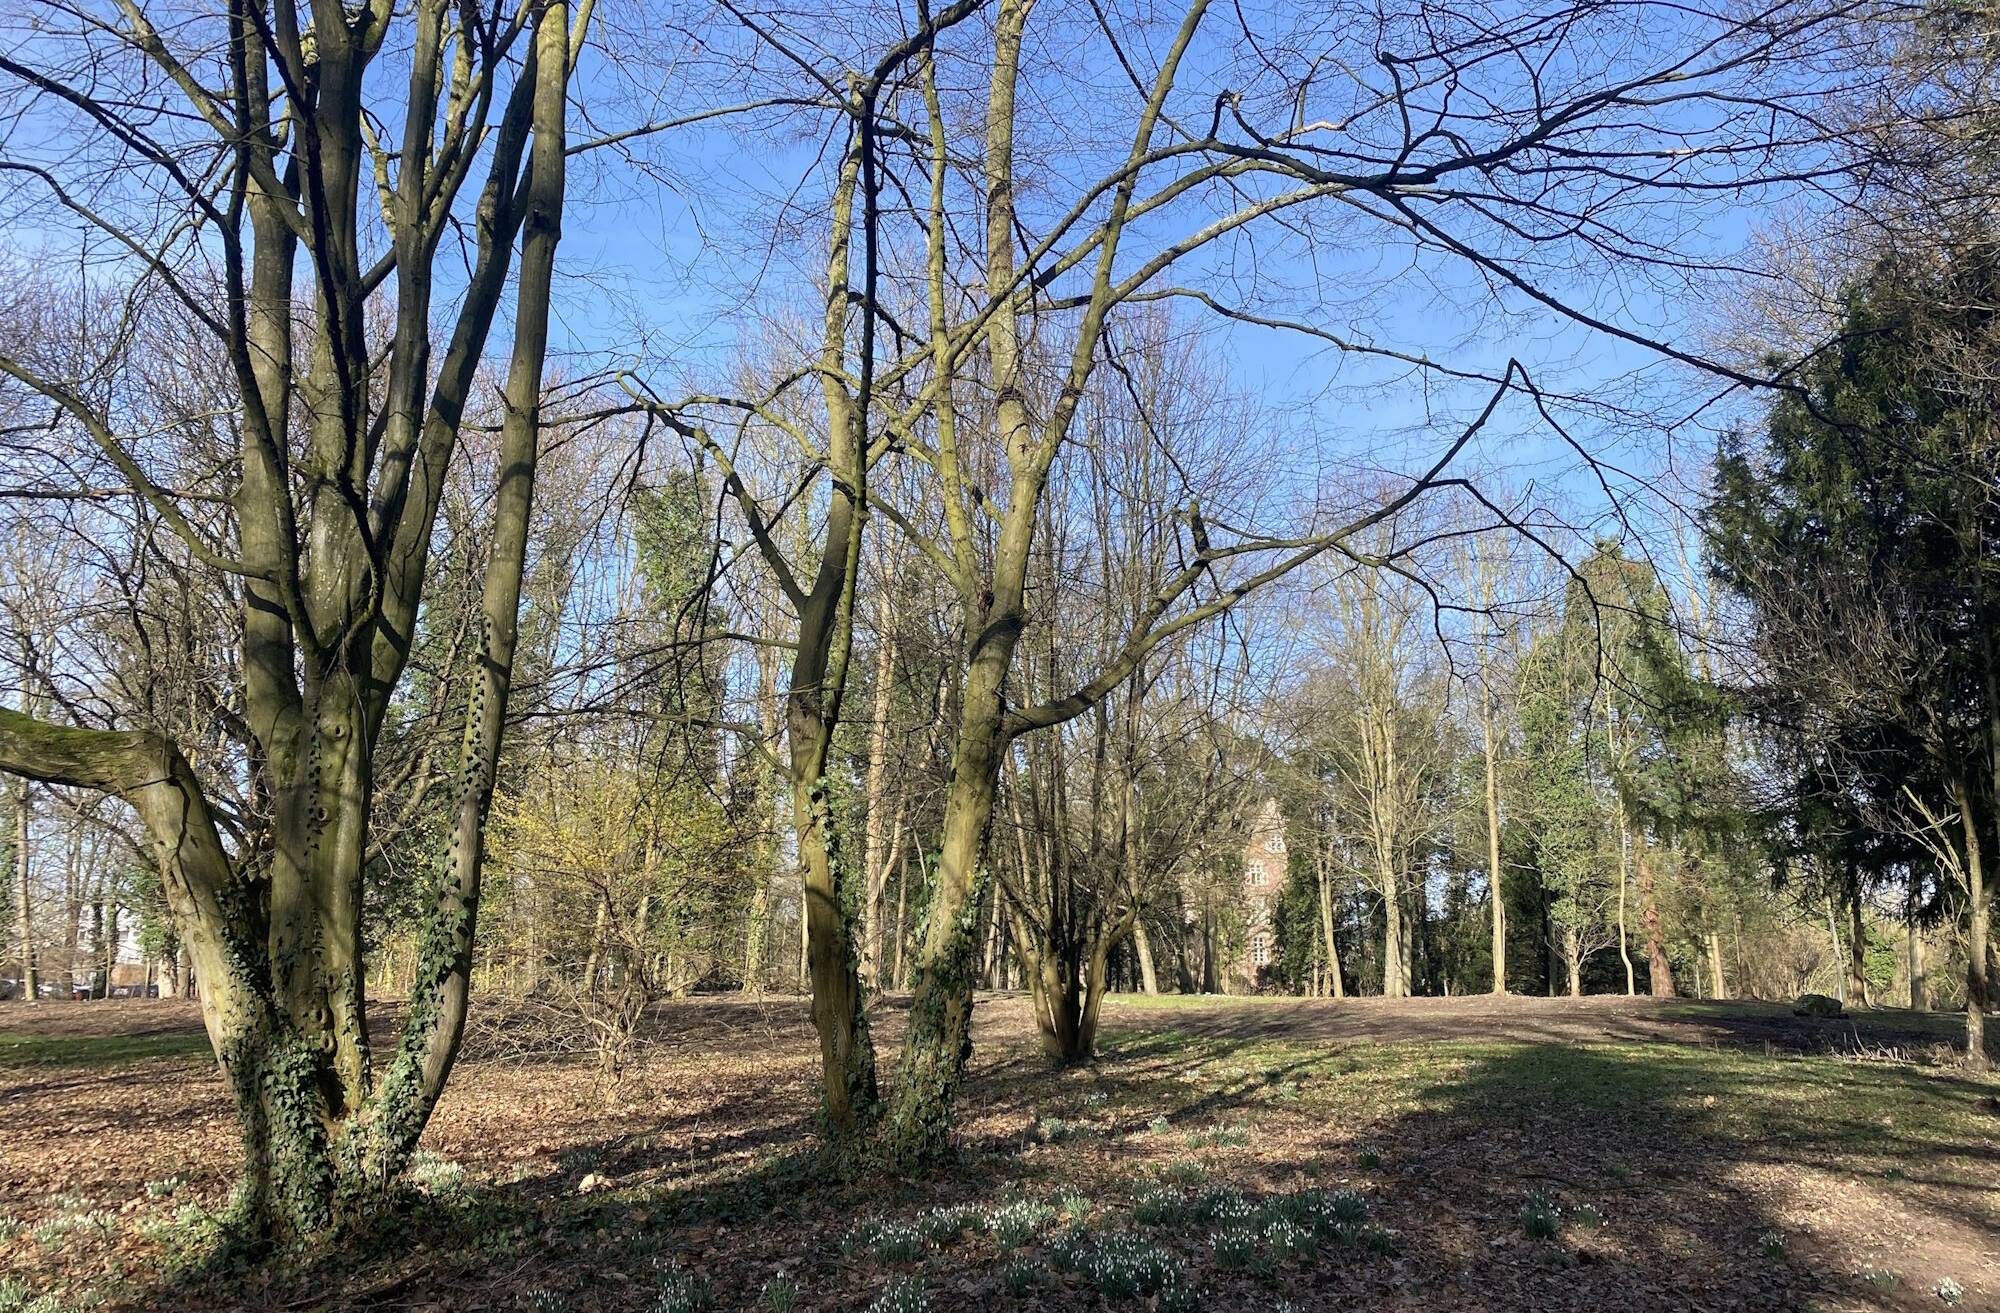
x: 657, y: 856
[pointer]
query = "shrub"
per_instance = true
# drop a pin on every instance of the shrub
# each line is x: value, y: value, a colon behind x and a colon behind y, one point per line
x: 1587, y: 1217
x: 1369, y: 1157
x: 1772, y: 1243
x: 1158, y: 1126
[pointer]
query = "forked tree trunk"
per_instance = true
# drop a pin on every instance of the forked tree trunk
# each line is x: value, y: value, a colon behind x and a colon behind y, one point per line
x: 275, y: 946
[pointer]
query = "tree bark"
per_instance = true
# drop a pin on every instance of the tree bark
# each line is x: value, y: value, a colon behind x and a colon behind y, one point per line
x: 1659, y: 971
x: 1624, y: 941
x: 1977, y: 999
x: 1142, y: 945
x: 1336, y: 986
x: 879, y: 844
x: 23, y: 881
x: 1493, y: 887
x: 1920, y: 1000
x: 1857, y: 947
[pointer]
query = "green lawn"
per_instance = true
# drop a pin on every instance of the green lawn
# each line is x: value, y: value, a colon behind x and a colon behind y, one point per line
x: 18, y: 1050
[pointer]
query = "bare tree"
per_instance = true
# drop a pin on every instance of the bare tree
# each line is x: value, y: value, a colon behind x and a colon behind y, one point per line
x: 245, y: 142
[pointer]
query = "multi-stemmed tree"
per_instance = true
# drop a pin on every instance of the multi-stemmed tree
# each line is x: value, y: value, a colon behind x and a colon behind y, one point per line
x: 311, y: 209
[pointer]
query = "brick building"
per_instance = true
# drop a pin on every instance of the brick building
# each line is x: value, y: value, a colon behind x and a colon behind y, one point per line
x: 1264, y: 861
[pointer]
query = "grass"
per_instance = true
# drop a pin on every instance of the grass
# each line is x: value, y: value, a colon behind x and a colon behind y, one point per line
x: 1818, y: 1104
x: 35, y: 1050
x: 1216, y: 1171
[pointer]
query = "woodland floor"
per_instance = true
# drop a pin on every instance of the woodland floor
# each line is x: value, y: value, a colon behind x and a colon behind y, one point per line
x: 1706, y: 1156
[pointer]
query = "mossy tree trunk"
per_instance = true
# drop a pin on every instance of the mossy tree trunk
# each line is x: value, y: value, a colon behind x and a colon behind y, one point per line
x: 332, y: 535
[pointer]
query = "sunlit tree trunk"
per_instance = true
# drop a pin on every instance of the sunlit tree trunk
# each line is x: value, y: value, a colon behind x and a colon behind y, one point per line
x: 1978, y: 1002
x: 1857, y: 945
x: 1493, y: 886
x: 23, y: 881
x: 879, y: 842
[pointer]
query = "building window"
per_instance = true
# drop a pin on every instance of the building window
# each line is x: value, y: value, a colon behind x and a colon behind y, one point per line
x: 1257, y: 874
x: 1276, y: 843
x: 1260, y: 951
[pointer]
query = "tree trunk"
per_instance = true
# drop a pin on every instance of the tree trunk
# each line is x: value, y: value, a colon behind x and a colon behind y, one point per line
x: 875, y: 861
x: 1336, y: 987
x: 1395, y: 983
x: 593, y: 962
x: 767, y: 803
x: 1977, y: 1000
x: 939, y: 1036
x: 1493, y: 847
x: 1624, y: 942
x: 110, y: 945
x: 276, y: 947
x: 1659, y: 971
x: 24, y: 924
x: 1920, y: 1000
x: 1721, y: 988
x: 1142, y: 946
x: 902, y: 975
x: 1857, y: 948
x: 819, y: 680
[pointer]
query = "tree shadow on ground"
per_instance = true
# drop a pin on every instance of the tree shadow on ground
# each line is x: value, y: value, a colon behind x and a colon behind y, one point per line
x: 1673, y: 1171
